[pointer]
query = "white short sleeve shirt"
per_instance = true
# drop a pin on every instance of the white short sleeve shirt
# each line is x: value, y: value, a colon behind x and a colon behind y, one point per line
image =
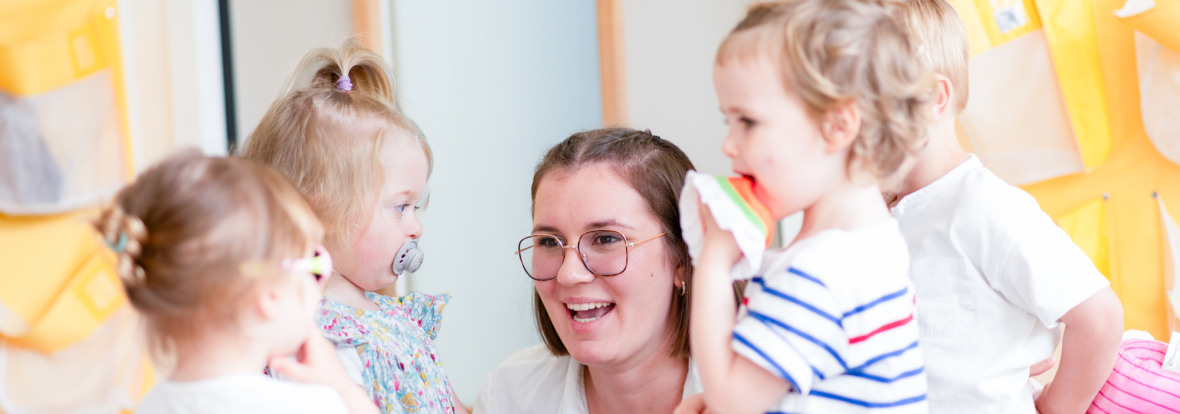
x: 241, y: 394
x: 534, y: 381
x: 993, y: 275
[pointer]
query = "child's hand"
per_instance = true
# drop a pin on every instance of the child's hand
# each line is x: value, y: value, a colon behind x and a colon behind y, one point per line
x: 718, y: 242
x: 692, y: 405
x: 316, y: 363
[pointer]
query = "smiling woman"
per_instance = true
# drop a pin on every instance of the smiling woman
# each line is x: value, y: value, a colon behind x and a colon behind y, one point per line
x: 613, y: 315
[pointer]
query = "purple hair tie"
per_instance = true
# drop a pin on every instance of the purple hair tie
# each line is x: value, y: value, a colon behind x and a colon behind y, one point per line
x: 344, y: 83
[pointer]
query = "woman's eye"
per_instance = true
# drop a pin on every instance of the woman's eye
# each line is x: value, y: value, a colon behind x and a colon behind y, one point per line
x: 747, y: 122
x: 606, y: 239
x: 548, y: 242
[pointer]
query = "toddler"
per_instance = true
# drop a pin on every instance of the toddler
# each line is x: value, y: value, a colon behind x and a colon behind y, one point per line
x: 823, y: 98
x: 218, y: 257
x: 338, y: 135
x: 995, y: 277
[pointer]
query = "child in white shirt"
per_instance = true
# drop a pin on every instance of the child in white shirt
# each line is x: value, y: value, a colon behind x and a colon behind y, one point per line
x: 995, y: 276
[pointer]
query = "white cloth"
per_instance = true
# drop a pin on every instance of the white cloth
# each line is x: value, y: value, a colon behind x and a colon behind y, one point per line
x: 833, y: 315
x: 245, y: 394
x: 725, y: 206
x: 993, y: 275
x: 534, y: 381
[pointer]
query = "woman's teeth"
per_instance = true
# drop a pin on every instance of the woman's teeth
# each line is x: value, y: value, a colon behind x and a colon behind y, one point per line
x: 588, y: 312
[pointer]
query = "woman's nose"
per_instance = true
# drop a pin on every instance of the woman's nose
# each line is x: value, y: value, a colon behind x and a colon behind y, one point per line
x: 572, y: 270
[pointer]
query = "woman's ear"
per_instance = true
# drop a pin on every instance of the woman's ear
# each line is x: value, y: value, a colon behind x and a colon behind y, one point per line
x: 841, y: 126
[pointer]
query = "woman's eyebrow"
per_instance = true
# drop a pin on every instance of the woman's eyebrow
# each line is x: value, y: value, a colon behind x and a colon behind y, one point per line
x: 545, y: 229
x: 608, y: 223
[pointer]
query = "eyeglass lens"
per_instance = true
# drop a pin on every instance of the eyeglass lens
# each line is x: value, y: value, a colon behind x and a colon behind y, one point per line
x: 604, y: 253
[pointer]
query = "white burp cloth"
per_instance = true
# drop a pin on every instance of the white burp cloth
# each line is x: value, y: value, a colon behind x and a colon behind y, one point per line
x: 732, y: 212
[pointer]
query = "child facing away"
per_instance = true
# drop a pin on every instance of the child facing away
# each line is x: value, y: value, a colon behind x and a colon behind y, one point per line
x: 995, y: 276
x: 822, y: 98
x: 216, y: 254
x: 339, y: 136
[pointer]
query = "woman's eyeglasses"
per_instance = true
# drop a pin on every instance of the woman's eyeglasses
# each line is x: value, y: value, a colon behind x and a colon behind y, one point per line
x: 603, y: 252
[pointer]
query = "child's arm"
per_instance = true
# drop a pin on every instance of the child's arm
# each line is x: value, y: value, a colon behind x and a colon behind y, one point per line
x: 317, y: 364
x: 732, y: 384
x: 1089, y: 349
x: 459, y: 407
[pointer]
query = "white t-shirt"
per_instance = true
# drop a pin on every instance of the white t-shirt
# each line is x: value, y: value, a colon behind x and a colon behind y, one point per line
x: 535, y: 381
x: 833, y: 315
x: 994, y: 275
x: 244, y: 394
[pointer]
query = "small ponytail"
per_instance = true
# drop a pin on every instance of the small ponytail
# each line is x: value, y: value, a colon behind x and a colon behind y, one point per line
x: 351, y: 68
x: 125, y: 235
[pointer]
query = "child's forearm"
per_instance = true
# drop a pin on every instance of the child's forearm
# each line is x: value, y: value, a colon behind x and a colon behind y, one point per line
x: 731, y: 383
x: 1093, y: 330
x: 711, y: 327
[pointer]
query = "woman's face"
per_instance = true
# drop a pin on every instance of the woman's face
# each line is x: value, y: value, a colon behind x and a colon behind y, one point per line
x: 628, y: 319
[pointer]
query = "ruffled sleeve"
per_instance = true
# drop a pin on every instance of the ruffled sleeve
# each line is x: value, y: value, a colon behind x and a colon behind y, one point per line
x: 425, y: 310
x: 341, y: 324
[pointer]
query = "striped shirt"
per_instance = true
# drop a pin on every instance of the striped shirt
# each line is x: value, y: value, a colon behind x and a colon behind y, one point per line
x: 833, y: 315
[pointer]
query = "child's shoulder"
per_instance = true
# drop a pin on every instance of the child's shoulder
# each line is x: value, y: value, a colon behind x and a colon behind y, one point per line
x: 840, y: 257
x: 974, y: 187
x: 241, y: 394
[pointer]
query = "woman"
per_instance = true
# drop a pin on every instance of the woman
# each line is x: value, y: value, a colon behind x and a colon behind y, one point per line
x: 614, y: 313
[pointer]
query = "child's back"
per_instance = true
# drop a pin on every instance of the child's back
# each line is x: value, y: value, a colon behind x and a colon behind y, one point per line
x: 843, y: 301
x: 993, y: 273
x: 995, y: 276
x: 240, y: 394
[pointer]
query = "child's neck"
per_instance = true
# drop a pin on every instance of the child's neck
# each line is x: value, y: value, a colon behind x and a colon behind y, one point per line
x: 941, y: 155
x: 845, y: 207
x: 216, y: 354
x: 343, y: 291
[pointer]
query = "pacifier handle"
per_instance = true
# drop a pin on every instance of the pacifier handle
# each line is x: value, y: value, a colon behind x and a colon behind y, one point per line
x: 409, y: 257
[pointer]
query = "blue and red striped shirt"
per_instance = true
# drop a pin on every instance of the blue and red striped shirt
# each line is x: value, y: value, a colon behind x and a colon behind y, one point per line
x: 833, y: 315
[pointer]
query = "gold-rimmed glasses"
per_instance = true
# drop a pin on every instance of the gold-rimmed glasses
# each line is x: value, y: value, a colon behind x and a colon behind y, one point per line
x: 603, y: 252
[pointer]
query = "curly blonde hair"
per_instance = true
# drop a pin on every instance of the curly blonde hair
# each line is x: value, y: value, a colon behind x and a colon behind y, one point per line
x: 837, y: 52
x: 319, y: 135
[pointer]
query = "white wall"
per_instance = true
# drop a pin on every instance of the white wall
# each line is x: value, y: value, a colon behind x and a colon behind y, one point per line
x: 172, y: 63
x: 670, y: 45
x: 493, y: 85
x: 269, y: 38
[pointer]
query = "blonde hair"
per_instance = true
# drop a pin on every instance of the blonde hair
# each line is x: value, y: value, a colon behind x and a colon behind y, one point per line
x: 936, y: 27
x: 313, y: 135
x: 183, y: 231
x: 837, y: 52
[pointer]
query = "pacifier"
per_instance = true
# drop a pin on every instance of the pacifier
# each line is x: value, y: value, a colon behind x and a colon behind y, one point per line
x: 409, y: 257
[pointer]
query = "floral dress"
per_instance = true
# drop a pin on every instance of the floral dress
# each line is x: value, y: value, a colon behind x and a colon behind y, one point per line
x: 395, y: 345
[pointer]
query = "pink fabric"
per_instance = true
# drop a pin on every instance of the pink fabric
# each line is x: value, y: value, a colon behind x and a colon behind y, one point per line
x: 1139, y: 384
